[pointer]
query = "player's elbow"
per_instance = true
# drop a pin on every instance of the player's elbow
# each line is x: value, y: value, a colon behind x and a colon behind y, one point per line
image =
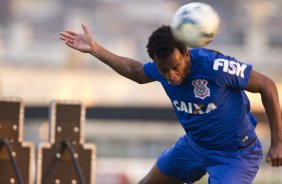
x: 141, y: 81
x: 268, y: 88
x: 260, y: 83
x: 140, y: 78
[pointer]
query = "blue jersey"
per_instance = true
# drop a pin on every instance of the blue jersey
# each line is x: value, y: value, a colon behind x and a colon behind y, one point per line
x: 211, y: 104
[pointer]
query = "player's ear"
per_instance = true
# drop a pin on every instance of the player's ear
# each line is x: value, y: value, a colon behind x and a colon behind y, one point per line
x: 187, y: 54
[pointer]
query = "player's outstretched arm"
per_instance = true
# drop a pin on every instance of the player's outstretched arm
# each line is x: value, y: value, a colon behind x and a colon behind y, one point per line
x: 269, y: 96
x: 126, y: 67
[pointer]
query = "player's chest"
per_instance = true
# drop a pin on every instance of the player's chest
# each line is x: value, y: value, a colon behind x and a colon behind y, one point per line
x: 197, y: 96
x: 195, y: 90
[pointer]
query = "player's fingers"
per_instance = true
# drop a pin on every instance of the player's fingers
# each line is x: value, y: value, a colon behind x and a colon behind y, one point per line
x: 69, y: 44
x: 271, y: 161
x: 85, y: 27
x: 71, y: 32
x: 66, y: 35
x: 274, y: 162
x: 268, y: 159
x: 70, y: 41
x: 62, y: 38
x: 279, y: 162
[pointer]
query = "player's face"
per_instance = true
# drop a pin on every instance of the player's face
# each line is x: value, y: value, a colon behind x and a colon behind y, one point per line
x: 175, y: 67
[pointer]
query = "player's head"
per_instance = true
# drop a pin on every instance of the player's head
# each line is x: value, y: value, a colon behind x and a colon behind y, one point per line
x: 170, y: 55
x: 162, y: 43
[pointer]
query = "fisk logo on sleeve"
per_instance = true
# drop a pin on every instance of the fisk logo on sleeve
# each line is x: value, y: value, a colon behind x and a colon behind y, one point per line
x: 231, y: 67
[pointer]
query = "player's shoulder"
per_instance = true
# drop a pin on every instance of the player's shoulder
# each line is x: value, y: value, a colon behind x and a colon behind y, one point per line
x: 204, y: 53
x: 203, y: 57
x: 151, y: 70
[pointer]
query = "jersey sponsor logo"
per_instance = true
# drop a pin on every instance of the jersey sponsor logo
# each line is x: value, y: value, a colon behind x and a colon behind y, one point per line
x: 231, y: 67
x: 201, y: 89
x: 193, y: 108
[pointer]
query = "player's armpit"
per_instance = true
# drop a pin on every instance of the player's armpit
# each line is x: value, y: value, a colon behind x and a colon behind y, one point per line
x: 130, y: 69
x: 259, y: 82
x: 140, y: 75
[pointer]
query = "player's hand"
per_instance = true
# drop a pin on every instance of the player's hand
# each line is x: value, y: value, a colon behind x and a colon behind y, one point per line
x: 81, y: 42
x: 274, y: 155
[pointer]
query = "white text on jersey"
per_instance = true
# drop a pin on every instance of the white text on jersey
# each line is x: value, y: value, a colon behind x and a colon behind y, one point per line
x: 231, y: 67
x: 193, y: 108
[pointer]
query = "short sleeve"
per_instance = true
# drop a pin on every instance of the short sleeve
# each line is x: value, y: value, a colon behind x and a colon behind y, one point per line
x: 229, y: 72
x: 151, y: 70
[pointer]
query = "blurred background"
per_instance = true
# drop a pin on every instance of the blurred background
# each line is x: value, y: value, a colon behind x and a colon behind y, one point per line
x: 130, y: 124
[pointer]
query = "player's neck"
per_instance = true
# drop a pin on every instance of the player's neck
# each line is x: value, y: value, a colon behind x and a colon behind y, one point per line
x: 189, y: 66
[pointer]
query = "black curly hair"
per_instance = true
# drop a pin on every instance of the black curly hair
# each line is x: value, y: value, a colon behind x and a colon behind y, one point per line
x: 161, y: 43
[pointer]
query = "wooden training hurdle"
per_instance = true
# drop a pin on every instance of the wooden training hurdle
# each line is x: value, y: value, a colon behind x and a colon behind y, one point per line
x: 16, y: 156
x: 64, y: 159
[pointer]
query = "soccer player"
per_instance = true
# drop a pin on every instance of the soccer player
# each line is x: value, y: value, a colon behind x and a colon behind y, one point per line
x: 206, y: 89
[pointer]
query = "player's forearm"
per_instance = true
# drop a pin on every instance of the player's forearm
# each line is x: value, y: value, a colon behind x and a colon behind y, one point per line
x: 124, y: 66
x: 271, y: 103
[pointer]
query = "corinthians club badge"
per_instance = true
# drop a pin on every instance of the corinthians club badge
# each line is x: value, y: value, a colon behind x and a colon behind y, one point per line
x: 201, y: 89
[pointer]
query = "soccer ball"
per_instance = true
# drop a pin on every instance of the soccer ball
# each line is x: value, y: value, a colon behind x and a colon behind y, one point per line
x: 195, y: 24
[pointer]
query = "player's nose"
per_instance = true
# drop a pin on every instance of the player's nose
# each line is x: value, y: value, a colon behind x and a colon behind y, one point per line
x: 170, y: 76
